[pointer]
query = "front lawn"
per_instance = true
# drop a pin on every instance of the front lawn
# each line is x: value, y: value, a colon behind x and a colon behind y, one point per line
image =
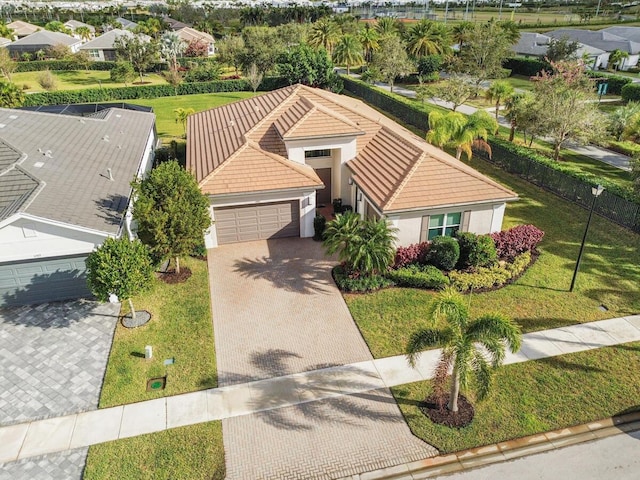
x: 78, y: 79
x: 181, y: 329
x: 536, y: 396
x: 609, y: 275
x: 194, y: 452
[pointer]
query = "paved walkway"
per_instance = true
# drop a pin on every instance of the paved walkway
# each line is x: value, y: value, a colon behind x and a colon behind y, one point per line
x: 326, y: 390
x: 278, y: 313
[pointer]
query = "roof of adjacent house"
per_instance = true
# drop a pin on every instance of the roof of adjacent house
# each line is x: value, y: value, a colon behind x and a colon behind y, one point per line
x: 629, y: 33
x: 174, y: 24
x: 601, y: 39
x: 55, y: 166
x: 107, y: 40
x: 128, y: 24
x: 21, y: 28
x: 188, y: 34
x: 396, y: 169
x: 531, y: 44
x: 45, y: 37
x: 73, y: 24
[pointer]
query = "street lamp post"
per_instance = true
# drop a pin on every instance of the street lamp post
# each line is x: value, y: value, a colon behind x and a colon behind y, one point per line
x: 595, y: 191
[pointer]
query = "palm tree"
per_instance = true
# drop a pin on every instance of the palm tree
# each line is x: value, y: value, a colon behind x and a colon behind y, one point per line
x: 461, y: 32
x: 369, y: 38
x: 428, y: 38
x: 461, y: 132
x: 181, y: 116
x: 498, y: 91
x: 632, y: 129
x: 387, y: 26
x: 324, y: 33
x: 617, y: 58
x: 517, y: 107
x: 461, y: 340
x: 11, y: 96
x: 621, y: 117
x: 5, y: 32
x: 348, y: 52
x: 171, y: 47
x: 84, y: 33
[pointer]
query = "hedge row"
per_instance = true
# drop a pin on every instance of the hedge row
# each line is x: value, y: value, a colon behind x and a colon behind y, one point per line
x: 93, y: 95
x: 67, y: 65
x: 616, y: 82
x: 631, y: 92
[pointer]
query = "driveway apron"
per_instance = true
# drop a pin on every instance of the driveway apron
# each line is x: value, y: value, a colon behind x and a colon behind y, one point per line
x: 277, y: 311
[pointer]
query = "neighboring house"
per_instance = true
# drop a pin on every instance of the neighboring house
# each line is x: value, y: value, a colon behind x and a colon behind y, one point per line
x: 102, y: 48
x: 4, y: 42
x: 268, y: 162
x: 629, y: 33
x: 604, y: 41
x: 65, y: 185
x: 126, y: 24
x: 42, y: 40
x: 188, y: 35
x: 174, y: 24
x: 74, y: 24
x: 22, y: 29
x: 536, y: 44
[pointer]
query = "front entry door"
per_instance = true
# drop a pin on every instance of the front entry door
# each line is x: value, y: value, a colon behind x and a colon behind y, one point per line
x: 323, y: 197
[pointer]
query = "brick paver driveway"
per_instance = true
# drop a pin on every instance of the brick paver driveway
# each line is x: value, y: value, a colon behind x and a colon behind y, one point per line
x: 276, y: 311
x: 53, y: 357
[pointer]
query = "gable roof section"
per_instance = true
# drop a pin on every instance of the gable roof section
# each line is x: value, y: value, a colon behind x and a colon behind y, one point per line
x: 601, y: 39
x: 22, y: 29
x: 630, y: 33
x: 107, y: 40
x: 73, y: 24
x: 187, y: 34
x: 304, y: 119
x: 252, y: 169
x: 61, y: 173
x: 45, y: 37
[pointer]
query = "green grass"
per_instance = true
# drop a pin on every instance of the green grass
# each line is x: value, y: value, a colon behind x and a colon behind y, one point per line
x: 194, y: 452
x: 520, y: 81
x: 536, y: 396
x: 609, y: 275
x: 164, y: 109
x: 181, y: 328
x: 79, y: 79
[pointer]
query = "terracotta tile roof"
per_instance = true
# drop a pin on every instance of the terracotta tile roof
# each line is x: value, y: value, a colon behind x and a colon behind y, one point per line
x: 252, y: 169
x: 395, y: 168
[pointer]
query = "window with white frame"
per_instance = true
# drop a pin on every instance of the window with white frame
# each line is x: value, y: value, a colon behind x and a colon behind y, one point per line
x: 94, y: 53
x: 445, y: 224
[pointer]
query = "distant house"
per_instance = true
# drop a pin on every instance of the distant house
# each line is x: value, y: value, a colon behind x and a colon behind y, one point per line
x: 22, y: 29
x: 536, y: 44
x: 102, y: 48
x: 188, y: 35
x: 64, y: 188
x: 604, y: 41
x: 40, y: 41
x: 174, y: 24
x: 75, y: 24
x: 126, y: 24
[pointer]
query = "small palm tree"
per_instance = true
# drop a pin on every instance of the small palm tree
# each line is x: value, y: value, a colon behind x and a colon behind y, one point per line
x: 324, y: 33
x: 461, y: 132
x: 461, y: 340
x: 621, y: 117
x: 428, y: 38
x: 84, y: 33
x: 498, y: 91
x: 348, y: 52
x: 181, y: 116
x: 616, y: 58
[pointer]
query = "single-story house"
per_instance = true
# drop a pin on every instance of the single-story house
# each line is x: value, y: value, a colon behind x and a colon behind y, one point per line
x: 22, y: 29
x: 629, y: 33
x: 604, y: 41
x: 532, y: 44
x: 126, y: 24
x: 174, y: 24
x: 73, y: 25
x: 40, y: 41
x: 188, y: 35
x: 64, y: 188
x: 268, y: 162
x: 102, y: 48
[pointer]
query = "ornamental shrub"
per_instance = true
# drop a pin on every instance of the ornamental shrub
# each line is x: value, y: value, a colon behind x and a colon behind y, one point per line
x: 516, y: 240
x: 631, y: 92
x: 481, y: 278
x: 475, y: 250
x: 418, y: 276
x: 352, y: 282
x: 519, y: 264
x: 415, y: 253
x: 444, y: 253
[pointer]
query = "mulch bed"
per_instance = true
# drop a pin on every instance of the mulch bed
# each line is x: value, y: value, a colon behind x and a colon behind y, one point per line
x: 171, y: 277
x: 442, y: 416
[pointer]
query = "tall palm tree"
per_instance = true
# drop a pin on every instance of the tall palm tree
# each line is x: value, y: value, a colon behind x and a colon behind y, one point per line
x: 428, y: 38
x: 461, y: 340
x: 348, y: 52
x: 498, y: 91
x: 369, y: 38
x: 324, y: 33
x: 517, y: 107
x: 171, y: 47
x: 461, y: 32
x: 461, y: 132
x: 387, y: 26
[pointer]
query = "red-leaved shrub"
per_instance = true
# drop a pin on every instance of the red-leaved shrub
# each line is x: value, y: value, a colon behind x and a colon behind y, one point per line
x: 415, y: 253
x: 516, y: 240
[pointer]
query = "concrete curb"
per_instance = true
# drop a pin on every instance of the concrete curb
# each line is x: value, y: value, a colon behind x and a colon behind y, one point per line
x: 504, y: 451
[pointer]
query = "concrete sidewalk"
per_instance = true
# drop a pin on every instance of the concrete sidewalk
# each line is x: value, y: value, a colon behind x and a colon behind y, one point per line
x: 80, y: 430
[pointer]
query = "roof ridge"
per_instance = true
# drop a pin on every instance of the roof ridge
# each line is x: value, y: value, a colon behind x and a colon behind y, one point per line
x: 302, y: 169
x: 296, y: 125
x: 270, y: 115
x: 405, y: 180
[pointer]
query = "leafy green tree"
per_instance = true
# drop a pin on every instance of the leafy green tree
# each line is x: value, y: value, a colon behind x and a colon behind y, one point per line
x: 520, y: 113
x: 428, y: 38
x: 120, y: 267
x: 429, y: 67
x: 391, y: 60
x: 348, y: 52
x: 306, y: 65
x: 461, y: 132
x: 456, y: 90
x: 122, y: 72
x: 182, y: 114
x: 562, y: 49
x: 365, y: 246
x: 470, y: 348
x: 10, y: 95
x: 171, y: 212
x: 56, y: 26
x: 138, y: 51
x: 324, y: 34
x: 262, y: 46
x: 229, y: 50
x: 6, y: 32
x: 7, y: 64
x: 616, y: 58
x: 499, y: 91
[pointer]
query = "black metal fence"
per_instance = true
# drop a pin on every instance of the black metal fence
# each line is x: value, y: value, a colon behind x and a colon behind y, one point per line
x: 617, y: 209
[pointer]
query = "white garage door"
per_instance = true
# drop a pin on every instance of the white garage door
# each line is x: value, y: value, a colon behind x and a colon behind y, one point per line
x: 257, y: 222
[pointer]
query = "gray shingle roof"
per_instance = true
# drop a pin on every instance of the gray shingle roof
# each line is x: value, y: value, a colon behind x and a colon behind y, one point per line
x: 534, y: 44
x: 68, y: 157
x: 45, y: 37
x: 106, y: 40
x: 630, y: 33
x: 73, y: 24
x: 600, y: 39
